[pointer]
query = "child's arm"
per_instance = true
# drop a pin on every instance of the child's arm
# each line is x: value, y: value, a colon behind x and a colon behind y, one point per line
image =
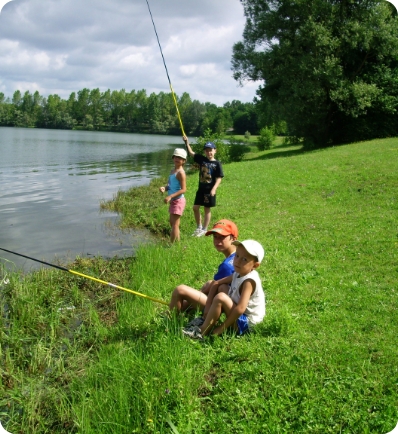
x: 214, y: 290
x: 183, y: 183
x: 214, y: 189
x: 188, y: 146
x: 247, y: 289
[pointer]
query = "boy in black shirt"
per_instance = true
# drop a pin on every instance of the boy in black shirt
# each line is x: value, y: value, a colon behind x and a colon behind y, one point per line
x: 210, y: 175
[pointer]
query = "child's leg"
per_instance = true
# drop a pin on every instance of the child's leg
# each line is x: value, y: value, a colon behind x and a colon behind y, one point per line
x: 184, y: 297
x: 207, y: 217
x: 206, y: 287
x: 196, y: 212
x: 175, y: 227
x: 221, y: 303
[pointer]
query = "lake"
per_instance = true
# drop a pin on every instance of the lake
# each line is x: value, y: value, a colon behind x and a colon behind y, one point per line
x: 52, y: 182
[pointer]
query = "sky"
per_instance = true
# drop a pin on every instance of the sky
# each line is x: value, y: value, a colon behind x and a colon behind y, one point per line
x: 63, y: 46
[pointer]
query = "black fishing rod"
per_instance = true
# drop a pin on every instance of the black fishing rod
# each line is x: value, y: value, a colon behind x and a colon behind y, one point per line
x: 167, y: 72
x: 112, y: 285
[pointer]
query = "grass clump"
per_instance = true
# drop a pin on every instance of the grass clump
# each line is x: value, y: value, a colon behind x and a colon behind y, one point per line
x: 323, y: 360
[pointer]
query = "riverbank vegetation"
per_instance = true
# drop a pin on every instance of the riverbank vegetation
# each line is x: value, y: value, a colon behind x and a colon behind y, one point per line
x: 78, y: 357
x: 124, y: 111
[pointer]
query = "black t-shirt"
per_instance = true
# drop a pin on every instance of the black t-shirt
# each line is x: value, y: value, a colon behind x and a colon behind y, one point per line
x: 209, y: 171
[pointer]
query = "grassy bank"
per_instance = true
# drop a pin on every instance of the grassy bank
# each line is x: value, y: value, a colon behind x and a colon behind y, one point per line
x: 80, y: 358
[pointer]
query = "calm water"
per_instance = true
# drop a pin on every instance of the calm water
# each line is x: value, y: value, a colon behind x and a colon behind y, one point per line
x: 52, y: 182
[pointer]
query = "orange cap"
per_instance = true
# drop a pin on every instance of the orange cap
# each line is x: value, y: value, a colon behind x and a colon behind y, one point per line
x: 224, y: 227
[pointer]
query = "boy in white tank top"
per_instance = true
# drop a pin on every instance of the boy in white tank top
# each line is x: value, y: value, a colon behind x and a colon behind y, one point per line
x: 240, y: 296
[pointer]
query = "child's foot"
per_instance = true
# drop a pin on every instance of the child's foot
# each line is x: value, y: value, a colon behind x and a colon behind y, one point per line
x: 197, y: 231
x: 201, y: 233
x: 196, y: 322
x: 193, y: 332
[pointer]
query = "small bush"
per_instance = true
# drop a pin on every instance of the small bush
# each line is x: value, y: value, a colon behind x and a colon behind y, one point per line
x: 237, y: 149
x: 266, y: 138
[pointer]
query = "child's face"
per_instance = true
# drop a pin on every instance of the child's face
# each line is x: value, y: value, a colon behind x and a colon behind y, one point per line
x: 210, y: 153
x: 222, y: 242
x: 178, y: 160
x: 244, y: 262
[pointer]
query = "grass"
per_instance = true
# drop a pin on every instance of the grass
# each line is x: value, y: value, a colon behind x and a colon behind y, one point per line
x: 78, y: 357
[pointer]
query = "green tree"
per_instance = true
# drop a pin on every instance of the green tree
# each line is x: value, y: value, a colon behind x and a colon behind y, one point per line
x: 193, y: 117
x: 95, y: 109
x: 246, y: 119
x: 82, y: 105
x: 17, y: 98
x: 215, y: 119
x: 328, y: 67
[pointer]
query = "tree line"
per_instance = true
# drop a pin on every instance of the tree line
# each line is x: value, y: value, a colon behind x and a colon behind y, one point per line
x: 328, y: 71
x: 120, y: 110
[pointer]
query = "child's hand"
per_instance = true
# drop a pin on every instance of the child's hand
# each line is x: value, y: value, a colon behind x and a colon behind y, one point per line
x: 162, y: 189
x: 185, y: 138
x: 167, y: 199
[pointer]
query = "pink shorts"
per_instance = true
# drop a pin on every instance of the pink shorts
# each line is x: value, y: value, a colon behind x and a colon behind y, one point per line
x: 177, y: 206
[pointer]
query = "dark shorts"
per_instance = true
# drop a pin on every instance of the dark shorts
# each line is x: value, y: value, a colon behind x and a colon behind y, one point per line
x: 205, y: 199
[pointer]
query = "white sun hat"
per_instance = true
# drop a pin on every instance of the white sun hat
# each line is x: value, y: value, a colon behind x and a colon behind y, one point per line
x: 253, y: 247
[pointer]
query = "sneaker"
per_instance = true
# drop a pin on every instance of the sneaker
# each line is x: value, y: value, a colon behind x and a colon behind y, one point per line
x: 197, y: 231
x: 196, y: 322
x: 193, y: 332
x: 201, y: 233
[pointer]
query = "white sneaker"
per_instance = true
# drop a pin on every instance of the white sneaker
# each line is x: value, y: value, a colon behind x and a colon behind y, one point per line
x: 193, y: 332
x: 201, y: 233
x: 197, y: 231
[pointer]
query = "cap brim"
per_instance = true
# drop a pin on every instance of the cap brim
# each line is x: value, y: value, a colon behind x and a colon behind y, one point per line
x: 217, y: 231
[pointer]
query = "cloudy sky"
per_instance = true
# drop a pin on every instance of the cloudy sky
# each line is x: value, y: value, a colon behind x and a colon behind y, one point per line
x: 61, y: 46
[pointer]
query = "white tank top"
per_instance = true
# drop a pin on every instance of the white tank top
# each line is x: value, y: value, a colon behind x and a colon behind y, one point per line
x: 255, y: 310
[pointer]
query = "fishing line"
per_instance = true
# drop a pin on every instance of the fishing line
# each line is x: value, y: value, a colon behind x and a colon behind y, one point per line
x: 167, y: 72
x: 77, y: 273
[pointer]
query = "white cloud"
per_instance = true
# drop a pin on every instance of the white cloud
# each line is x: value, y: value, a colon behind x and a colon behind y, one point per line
x: 62, y: 46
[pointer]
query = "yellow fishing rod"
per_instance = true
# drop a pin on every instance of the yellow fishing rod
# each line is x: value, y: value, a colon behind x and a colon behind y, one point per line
x: 167, y: 72
x: 77, y: 273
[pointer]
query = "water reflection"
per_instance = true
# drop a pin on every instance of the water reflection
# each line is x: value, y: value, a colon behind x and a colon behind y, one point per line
x: 52, y: 183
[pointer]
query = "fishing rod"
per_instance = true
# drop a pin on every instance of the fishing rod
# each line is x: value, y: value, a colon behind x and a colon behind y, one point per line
x: 167, y: 72
x: 77, y: 273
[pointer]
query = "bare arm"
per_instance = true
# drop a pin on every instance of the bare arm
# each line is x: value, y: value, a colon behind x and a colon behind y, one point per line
x: 188, y: 146
x: 214, y: 189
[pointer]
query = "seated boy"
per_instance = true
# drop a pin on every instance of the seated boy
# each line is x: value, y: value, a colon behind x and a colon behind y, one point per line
x: 240, y: 296
x: 224, y: 232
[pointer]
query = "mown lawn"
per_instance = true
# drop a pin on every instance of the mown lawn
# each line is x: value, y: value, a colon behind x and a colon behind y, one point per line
x: 81, y: 358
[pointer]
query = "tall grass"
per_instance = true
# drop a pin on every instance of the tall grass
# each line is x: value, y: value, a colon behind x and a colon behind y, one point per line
x: 77, y: 357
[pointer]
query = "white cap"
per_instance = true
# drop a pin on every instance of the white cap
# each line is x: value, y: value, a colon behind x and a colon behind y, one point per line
x: 179, y: 152
x: 252, y: 247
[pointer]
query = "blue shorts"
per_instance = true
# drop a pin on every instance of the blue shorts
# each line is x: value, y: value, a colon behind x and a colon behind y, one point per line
x: 243, y: 324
